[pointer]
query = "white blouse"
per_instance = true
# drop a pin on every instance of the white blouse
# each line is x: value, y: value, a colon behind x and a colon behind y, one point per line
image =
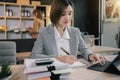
x: 62, y: 41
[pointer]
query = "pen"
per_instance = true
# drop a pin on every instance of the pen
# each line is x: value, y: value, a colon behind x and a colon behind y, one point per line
x: 65, y: 51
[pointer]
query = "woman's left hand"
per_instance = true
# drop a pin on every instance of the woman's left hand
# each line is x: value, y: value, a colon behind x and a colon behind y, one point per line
x: 97, y: 57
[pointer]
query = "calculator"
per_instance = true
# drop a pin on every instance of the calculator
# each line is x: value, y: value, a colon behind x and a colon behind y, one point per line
x: 44, y: 61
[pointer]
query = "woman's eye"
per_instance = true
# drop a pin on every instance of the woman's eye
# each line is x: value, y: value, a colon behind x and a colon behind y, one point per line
x: 70, y: 14
x: 63, y: 14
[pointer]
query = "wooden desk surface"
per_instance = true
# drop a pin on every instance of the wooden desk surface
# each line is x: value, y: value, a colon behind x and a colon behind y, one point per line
x: 23, y: 55
x: 95, y: 49
x: 80, y: 73
x: 85, y: 74
x: 103, y: 49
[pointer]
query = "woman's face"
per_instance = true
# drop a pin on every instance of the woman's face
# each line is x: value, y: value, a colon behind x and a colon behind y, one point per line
x: 66, y: 17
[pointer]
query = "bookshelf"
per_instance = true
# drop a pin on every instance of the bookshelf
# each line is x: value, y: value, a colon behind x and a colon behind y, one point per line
x: 13, y: 23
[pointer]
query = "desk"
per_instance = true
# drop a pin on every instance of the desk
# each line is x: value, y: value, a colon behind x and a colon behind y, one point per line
x: 80, y: 73
x: 95, y: 49
x: 23, y: 55
x: 103, y: 49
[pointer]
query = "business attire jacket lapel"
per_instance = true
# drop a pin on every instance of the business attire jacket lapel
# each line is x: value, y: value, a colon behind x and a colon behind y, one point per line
x: 52, y: 40
x: 72, y: 41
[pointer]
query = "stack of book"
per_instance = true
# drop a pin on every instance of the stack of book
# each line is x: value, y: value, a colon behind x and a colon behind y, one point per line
x: 54, y: 71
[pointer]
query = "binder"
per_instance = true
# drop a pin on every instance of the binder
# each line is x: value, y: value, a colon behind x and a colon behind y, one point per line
x: 109, y: 67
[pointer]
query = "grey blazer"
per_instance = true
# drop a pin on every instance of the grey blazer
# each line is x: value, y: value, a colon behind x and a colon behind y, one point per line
x: 45, y: 45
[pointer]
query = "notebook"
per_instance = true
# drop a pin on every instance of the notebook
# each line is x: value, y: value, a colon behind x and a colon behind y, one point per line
x: 110, y: 67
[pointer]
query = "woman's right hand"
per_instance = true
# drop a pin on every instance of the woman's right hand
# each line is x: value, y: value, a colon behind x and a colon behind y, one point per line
x: 66, y: 59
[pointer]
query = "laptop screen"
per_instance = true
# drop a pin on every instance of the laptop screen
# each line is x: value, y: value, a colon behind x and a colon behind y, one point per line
x: 116, y: 59
x: 116, y: 62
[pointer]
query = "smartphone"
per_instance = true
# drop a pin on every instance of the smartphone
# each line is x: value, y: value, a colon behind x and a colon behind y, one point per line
x: 44, y: 62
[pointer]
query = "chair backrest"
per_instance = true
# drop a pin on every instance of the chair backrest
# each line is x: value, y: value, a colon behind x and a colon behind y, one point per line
x: 7, y: 52
x: 22, y: 45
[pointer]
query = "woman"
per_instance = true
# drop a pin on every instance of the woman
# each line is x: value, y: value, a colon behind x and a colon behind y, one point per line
x: 38, y: 23
x: 60, y: 34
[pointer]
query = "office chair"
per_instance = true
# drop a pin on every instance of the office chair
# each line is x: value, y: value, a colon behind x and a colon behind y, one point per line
x: 7, y: 52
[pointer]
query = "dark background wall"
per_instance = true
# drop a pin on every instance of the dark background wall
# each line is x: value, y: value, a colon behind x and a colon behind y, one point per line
x: 86, y: 16
x: 80, y: 14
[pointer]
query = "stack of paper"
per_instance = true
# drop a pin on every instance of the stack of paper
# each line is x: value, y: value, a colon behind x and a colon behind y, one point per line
x: 39, y: 75
x: 35, y: 72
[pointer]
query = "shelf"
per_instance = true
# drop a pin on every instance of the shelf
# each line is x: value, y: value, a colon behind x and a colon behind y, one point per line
x: 26, y: 5
x: 117, y: 20
x: 13, y: 4
x: 42, y: 5
x: 12, y: 17
x: 27, y: 18
x: 1, y: 31
x: 12, y: 31
x: 1, y: 17
x: 2, y: 3
x: 17, y: 21
x: 25, y: 31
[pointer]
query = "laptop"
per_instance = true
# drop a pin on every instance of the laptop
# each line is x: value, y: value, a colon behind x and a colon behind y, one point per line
x: 110, y: 67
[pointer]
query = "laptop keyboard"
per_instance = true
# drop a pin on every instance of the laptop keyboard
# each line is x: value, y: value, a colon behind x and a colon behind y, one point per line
x: 99, y: 67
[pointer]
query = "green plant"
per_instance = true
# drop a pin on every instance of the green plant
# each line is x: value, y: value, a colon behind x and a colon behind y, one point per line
x: 5, y: 71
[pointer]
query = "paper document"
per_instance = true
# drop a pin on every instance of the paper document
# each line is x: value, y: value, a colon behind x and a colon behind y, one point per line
x: 77, y: 64
x: 62, y: 71
x: 31, y: 67
x: 62, y: 65
x: 36, y: 69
